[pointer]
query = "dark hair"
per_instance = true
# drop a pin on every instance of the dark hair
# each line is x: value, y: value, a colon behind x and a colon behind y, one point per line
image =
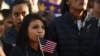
x: 6, y: 13
x: 64, y: 7
x: 22, y: 35
x: 16, y: 2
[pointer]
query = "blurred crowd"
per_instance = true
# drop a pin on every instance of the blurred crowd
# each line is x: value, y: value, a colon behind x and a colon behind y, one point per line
x: 74, y: 25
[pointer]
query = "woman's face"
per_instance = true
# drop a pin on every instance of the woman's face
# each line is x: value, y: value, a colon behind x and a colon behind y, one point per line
x: 8, y: 23
x: 36, y: 29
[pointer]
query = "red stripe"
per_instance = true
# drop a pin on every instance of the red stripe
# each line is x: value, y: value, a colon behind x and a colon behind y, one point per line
x: 49, y: 46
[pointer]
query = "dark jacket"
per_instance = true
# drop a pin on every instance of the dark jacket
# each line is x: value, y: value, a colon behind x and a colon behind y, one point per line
x: 10, y: 36
x: 27, y: 51
x: 95, y: 49
x: 71, y: 41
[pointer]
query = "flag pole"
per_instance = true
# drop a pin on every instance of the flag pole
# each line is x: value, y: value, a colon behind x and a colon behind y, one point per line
x: 40, y: 46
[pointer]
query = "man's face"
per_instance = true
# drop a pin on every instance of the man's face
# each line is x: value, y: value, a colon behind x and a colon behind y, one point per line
x: 18, y: 13
x: 78, y: 4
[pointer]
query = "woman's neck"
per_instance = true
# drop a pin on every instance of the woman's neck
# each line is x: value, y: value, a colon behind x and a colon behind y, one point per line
x: 34, y: 45
x: 77, y: 13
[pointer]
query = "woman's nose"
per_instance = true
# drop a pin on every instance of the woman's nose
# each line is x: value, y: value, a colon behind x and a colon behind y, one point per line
x: 40, y: 30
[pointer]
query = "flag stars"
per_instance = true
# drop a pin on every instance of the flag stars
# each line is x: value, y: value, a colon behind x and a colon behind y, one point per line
x: 42, y: 7
x: 52, y: 8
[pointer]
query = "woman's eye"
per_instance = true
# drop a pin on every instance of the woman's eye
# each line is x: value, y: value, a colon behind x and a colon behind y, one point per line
x: 43, y: 27
x: 35, y: 27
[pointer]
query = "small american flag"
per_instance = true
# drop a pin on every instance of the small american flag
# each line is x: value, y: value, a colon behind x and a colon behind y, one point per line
x: 47, y: 46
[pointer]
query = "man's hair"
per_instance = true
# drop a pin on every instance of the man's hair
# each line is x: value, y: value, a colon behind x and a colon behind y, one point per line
x: 16, y: 2
x: 6, y: 13
x: 64, y: 7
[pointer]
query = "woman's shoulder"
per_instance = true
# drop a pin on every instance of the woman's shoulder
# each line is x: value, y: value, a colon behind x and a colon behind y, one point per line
x: 18, y: 48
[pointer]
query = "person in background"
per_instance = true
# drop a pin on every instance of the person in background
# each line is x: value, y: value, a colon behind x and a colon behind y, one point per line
x: 90, y: 7
x: 96, y: 7
x: 7, y: 18
x: 74, y: 31
x: 33, y: 6
x: 19, y: 9
x: 3, y: 45
x: 94, y: 50
x: 32, y: 28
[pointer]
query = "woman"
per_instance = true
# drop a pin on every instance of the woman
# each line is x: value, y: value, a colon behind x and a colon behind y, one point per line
x: 32, y: 27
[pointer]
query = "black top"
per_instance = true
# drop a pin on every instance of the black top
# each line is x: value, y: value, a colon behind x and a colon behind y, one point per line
x: 26, y: 51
